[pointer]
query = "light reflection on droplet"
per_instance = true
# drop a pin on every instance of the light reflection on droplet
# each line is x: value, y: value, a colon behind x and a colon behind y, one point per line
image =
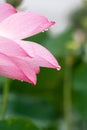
x: 21, y: 80
x: 46, y: 29
x: 59, y: 68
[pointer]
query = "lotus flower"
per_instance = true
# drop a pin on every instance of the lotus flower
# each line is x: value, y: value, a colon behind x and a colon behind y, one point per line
x: 21, y: 59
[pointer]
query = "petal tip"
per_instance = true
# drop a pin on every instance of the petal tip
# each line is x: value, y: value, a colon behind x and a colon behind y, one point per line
x: 33, y: 83
x: 59, y: 67
x: 53, y: 22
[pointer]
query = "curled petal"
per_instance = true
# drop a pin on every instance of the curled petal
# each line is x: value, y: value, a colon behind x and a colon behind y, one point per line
x: 6, y: 10
x: 22, y: 25
x: 42, y: 57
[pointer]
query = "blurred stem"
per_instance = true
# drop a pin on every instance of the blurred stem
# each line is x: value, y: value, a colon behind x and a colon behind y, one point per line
x: 5, y: 98
x: 68, y: 92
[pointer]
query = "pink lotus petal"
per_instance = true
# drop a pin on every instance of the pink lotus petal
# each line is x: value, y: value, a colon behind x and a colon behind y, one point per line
x: 11, y: 48
x: 29, y: 61
x: 42, y: 56
x: 9, y: 69
x: 22, y: 59
x: 26, y: 68
x: 22, y: 25
x: 6, y: 10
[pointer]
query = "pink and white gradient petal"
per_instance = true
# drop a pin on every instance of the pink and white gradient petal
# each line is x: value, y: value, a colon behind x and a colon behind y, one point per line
x: 22, y: 25
x: 6, y: 10
x: 42, y: 57
x: 27, y: 68
x: 11, y: 48
x: 11, y: 70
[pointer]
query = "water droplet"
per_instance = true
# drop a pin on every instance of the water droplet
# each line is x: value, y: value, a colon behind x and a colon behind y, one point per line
x: 42, y: 31
x: 46, y: 29
x: 21, y: 80
x: 59, y: 67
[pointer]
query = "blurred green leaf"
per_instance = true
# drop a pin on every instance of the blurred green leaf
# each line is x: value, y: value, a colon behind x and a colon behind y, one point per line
x: 40, y: 38
x: 80, y: 77
x: 41, y: 102
x: 80, y: 103
x: 80, y: 89
x: 17, y: 124
x: 52, y: 127
x: 49, y: 81
x: 36, y: 108
x: 78, y: 16
x: 58, y: 44
x: 2, y: 80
